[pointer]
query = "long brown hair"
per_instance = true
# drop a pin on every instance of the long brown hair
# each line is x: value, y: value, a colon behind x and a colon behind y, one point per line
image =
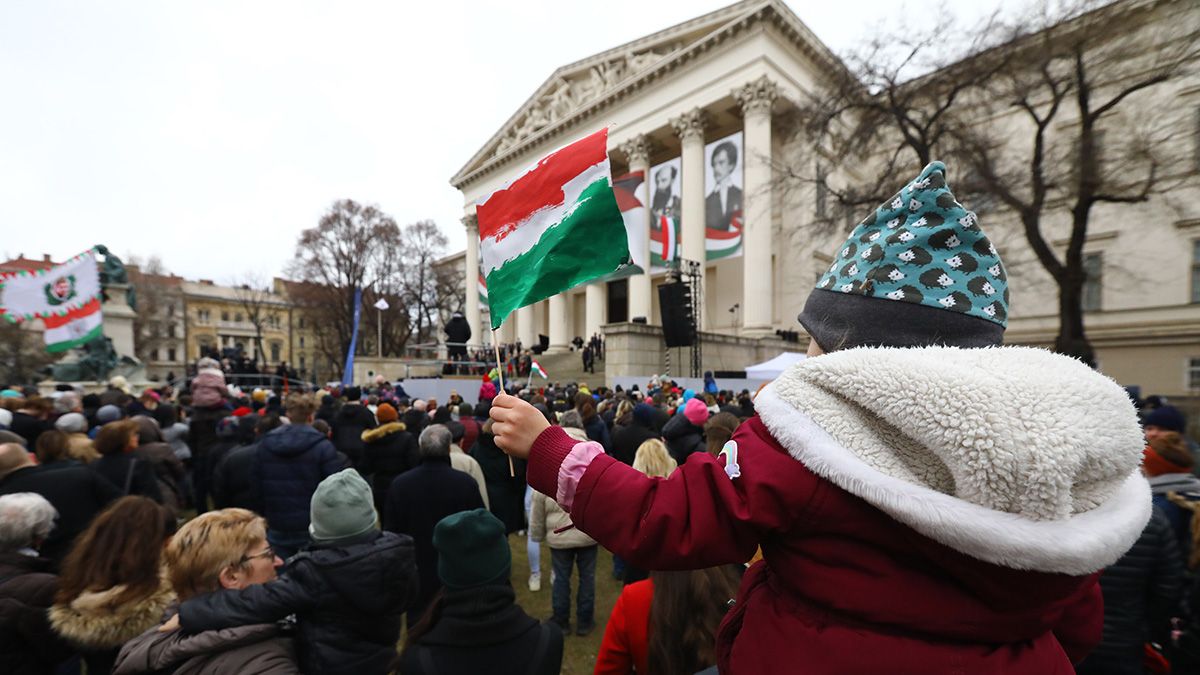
x: 123, y: 545
x: 684, y: 614
x: 113, y: 438
x: 718, y: 430
x: 586, y: 405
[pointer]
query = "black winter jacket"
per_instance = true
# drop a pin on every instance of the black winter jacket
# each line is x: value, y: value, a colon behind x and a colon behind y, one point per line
x: 389, y: 452
x: 76, y: 492
x: 289, y: 464
x: 348, y: 600
x: 483, y: 630
x: 132, y: 469
x: 683, y: 438
x: 1141, y: 591
x: 506, y: 493
x: 28, y: 645
x: 231, y: 486
x: 348, y: 426
x: 417, y: 500
x: 626, y: 440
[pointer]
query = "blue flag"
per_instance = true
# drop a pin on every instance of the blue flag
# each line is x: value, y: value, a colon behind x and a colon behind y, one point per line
x: 348, y: 372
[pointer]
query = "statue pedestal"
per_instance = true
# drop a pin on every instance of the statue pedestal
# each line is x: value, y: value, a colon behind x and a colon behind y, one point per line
x: 118, y: 319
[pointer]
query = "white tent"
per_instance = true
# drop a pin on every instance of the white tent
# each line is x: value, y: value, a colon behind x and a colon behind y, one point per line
x: 769, y: 370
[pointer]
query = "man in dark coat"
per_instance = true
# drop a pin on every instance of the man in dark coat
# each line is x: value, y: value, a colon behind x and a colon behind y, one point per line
x: 505, y: 488
x: 1141, y: 591
x: 390, y: 451
x: 627, y: 439
x: 231, y: 487
x: 420, y: 497
x: 458, y: 334
x: 349, y: 424
x: 289, y: 464
x: 27, y: 642
x: 75, y: 491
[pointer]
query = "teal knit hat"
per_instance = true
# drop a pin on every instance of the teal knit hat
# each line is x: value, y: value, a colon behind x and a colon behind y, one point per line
x: 472, y: 549
x: 923, y: 252
x: 342, y: 507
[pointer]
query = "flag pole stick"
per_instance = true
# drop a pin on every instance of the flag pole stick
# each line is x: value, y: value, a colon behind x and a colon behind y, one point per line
x: 512, y: 473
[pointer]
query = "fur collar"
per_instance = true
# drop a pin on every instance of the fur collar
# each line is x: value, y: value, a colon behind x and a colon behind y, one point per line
x: 93, y: 621
x: 372, y: 435
x: 1013, y: 455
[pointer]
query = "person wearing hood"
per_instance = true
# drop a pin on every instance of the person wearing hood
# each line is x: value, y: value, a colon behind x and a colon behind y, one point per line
x: 231, y: 479
x: 226, y: 548
x: 684, y: 432
x: 174, y: 431
x: 348, y: 591
x: 349, y: 424
x: 926, y: 500
x: 290, y: 463
x: 419, y: 498
x: 458, y: 334
x: 627, y: 439
x: 475, y: 624
x: 390, y: 451
x: 1168, y: 466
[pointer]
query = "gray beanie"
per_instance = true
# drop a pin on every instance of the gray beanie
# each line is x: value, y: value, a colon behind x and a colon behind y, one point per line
x: 342, y: 507
x: 108, y: 413
x: 71, y: 423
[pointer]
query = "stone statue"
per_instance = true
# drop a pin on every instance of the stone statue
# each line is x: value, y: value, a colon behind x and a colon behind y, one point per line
x: 98, y: 360
x: 113, y: 272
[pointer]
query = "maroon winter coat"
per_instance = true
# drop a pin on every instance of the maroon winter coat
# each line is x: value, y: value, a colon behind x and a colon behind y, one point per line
x: 843, y: 586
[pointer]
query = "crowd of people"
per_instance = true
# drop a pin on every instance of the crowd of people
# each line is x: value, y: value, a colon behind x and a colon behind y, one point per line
x: 911, y: 498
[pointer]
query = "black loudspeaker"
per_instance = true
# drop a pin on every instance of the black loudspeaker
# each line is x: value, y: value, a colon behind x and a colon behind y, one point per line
x: 679, y: 323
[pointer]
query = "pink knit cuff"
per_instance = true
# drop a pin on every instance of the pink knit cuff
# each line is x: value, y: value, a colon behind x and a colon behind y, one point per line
x: 549, y: 450
x: 572, y: 469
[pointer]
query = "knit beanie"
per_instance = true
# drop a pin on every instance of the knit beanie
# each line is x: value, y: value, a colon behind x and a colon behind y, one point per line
x: 71, y: 423
x: 342, y: 507
x: 385, y: 413
x: 108, y: 413
x: 1168, y: 418
x: 696, y: 412
x: 643, y: 414
x: 472, y: 549
x: 916, y: 272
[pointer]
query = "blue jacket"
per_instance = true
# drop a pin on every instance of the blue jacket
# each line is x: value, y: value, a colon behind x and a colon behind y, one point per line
x: 289, y: 464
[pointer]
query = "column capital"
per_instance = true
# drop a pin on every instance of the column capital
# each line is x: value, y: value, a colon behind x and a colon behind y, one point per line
x: 757, y: 96
x: 636, y: 150
x: 470, y: 221
x: 691, y: 124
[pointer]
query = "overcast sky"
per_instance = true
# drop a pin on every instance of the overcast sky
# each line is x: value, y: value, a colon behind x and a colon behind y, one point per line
x: 210, y: 133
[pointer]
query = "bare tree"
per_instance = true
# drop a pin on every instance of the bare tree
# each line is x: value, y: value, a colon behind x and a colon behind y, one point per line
x: 22, y: 355
x: 424, y: 243
x: 341, y: 254
x: 1076, y: 73
x: 155, y: 323
x: 254, y: 295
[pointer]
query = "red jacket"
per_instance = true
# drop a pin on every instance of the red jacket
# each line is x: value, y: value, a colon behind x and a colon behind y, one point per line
x: 626, y: 638
x: 843, y: 588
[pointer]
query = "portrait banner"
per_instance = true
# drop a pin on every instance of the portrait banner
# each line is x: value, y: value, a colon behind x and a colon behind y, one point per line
x: 665, y: 188
x: 723, y: 197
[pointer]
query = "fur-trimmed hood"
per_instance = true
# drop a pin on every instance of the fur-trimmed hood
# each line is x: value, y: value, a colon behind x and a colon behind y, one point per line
x: 94, y: 620
x: 1012, y: 455
x: 379, y: 432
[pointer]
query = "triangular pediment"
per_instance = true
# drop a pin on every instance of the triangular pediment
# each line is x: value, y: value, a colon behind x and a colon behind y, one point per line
x: 577, y: 87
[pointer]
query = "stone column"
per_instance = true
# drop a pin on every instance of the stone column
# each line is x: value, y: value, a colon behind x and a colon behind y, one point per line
x: 637, y: 151
x: 758, y: 310
x: 526, y: 331
x: 690, y: 128
x: 118, y: 317
x: 471, y: 280
x: 597, y: 300
x: 559, y: 318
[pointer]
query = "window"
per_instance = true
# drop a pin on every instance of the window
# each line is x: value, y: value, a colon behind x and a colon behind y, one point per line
x: 170, y: 310
x: 224, y: 316
x: 154, y: 355
x: 1193, y: 374
x: 302, y: 322
x: 170, y: 353
x: 238, y: 317
x: 1196, y: 271
x: 275, y: 349
x: 822, y: 192
x: 170, y: 330
x: 302, y: 342
x: 302, y: 359
x: 1093, y: 267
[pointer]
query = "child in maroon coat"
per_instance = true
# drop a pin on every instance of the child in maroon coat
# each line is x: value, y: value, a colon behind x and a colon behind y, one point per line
x: 926, y: 500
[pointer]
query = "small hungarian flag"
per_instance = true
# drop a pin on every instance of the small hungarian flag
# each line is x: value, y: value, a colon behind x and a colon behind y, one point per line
x: 494, y: 375
x: 669, y: 240
x: 536, y: 369
x: 553, y: 228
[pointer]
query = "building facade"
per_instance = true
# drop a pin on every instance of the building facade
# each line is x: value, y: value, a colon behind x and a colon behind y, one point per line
x: 687, y: 103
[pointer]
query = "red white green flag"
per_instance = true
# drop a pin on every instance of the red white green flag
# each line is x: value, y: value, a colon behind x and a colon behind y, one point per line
x: 553, y: 228
x: 65, y: 297
x: 536, y: 369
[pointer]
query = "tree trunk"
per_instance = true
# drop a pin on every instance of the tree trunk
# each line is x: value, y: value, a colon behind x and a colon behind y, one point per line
x: 1072, y: 339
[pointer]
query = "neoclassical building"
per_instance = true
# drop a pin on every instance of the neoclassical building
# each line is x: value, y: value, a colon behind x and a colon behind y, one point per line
x: 686, y: 104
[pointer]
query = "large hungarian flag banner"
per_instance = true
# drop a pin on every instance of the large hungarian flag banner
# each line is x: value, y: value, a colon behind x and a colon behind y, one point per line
x: 65, y: 297
x: 553, y: 228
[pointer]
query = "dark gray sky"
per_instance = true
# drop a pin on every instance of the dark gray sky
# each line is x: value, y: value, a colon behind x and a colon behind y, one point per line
x: 209, y: 133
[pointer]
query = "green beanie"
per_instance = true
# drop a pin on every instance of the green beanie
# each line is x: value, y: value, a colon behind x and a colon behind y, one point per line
x: 342, y: 507
x: 472, y: 549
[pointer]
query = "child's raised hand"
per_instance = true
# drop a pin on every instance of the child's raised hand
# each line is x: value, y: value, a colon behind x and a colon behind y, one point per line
x: 516, y: 425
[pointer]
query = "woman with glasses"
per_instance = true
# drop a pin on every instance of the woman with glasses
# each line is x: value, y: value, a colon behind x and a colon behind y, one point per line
x: 216, y: 550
